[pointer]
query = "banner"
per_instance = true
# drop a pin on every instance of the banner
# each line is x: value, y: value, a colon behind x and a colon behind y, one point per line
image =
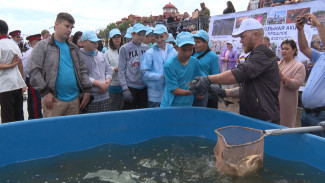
x: 279, y: 24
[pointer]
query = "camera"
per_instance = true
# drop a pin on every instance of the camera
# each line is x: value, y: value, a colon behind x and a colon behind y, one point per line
x: 303, y: 20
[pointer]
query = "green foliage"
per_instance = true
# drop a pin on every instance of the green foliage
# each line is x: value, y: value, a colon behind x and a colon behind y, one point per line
x: 317, y: 13
x: 111, y: 26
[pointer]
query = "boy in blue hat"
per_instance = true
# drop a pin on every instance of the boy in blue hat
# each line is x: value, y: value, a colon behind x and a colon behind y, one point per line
x: 171, y: 40
x: 134, y: 91
x: 128, y: 35
x: 152, y: 65
x: 149, y: 40
x: 100, y: 73
x: 180, y: 70
x: 208, y: 60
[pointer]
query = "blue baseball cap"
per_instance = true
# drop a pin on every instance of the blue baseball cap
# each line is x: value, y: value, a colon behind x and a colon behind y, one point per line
x: 159, y: 29
x: 170, y: 38
x: 204, y: 35
x: 114, y: 32
x: 184, y: 38
x: 128, y: 32
x: 138, y: 27
x: 149, y: 30
x: 89, y: 35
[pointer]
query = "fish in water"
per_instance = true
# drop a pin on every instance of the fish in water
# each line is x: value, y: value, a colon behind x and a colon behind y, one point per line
x: 244, y: 166
x: 215, y: 98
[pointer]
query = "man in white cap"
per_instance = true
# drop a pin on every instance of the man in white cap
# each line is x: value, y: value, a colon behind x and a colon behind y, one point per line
x: 258, y: 76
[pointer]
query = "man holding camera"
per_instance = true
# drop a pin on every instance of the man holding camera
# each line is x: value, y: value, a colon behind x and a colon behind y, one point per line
x: 313, y: 97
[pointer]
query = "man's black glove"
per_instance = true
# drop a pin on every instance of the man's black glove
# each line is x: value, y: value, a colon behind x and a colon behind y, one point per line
x: 215, y: 90
x: 201, y: 87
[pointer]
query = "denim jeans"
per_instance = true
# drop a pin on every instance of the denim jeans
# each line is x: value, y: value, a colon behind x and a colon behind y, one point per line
x: 312, y: 119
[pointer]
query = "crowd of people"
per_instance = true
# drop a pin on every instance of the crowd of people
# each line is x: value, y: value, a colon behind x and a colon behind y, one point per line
x: 66, y: 76
x: 273, y: 3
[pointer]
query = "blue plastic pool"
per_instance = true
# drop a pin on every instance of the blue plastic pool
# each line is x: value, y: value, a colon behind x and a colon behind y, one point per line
x: 27, y: 140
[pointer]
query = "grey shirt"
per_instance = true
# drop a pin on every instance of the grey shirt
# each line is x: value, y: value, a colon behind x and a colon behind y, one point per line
x: 43, y: 67
x: 129, y: 65
x: 98, y: 69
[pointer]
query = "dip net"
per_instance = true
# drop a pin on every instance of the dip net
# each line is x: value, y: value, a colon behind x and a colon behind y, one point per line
x: 239, y: 150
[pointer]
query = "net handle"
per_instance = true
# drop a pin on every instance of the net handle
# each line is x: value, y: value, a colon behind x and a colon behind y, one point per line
x: 271, y: 132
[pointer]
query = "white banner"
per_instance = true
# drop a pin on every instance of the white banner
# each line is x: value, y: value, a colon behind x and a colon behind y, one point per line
x: 278, y: 22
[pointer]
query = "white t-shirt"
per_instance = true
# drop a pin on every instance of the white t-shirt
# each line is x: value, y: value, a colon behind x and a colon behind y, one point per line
x: 10, y: 79
x: 163, y: 52
x: 112, y: 57
x: 25, y: 61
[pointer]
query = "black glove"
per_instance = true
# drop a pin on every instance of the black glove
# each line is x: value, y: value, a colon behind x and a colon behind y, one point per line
x: 127, y: 96
x: 215, y: 90
x: 201, y: 87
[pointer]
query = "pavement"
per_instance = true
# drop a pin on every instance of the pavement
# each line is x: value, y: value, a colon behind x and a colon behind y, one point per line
x: 235, y: 109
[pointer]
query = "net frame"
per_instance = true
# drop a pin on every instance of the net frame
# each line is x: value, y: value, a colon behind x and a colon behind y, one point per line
x: 239, y: 150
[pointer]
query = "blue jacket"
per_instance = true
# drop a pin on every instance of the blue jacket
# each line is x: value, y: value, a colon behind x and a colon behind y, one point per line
x: 152, y: 71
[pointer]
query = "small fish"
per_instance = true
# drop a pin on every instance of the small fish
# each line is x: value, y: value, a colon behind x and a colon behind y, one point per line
x: 192, y: 83
x: 215, y: 98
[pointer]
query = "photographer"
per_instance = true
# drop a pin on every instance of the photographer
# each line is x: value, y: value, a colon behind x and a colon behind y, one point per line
x: 313, y: 97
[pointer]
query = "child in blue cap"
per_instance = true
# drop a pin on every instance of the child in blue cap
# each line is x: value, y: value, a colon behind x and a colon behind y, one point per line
x: 100, y: 73
x: 180, y: 70
x: 134, y: 91
x: 128, y: 35
x: 208, y: 60
x: 171, y: 40
x: 152, y: 65
x: 149, y: 40
x: 112, y: 56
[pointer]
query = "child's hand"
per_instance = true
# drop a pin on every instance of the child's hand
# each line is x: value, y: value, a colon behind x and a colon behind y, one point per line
x: 15, y: 60
x: 103, y: 86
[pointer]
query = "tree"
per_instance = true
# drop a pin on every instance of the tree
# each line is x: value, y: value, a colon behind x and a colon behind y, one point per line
x: 123, y: 27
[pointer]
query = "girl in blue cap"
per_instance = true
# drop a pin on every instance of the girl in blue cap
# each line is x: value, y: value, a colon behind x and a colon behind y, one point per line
x: 112, y: 56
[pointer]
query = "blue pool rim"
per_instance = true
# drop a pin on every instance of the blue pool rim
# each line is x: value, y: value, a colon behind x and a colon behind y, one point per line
x: 41, y: 138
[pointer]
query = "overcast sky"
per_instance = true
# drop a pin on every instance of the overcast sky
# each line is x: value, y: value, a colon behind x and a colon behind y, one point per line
x: 32, y: 16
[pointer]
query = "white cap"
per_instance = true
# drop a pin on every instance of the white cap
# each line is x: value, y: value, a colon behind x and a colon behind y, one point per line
x: 247, y: 24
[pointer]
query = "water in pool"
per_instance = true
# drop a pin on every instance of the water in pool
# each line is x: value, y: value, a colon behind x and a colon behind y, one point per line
x: 159, y: 160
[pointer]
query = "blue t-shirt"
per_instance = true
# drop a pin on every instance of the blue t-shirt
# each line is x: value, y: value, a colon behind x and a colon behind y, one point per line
x: 209, y: 62
x: 278, y: 1
x: 115, y: 89
x: 66, y: 83
x: 176, y: 75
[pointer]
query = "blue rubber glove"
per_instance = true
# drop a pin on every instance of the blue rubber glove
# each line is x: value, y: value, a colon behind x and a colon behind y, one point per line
x: 201, y: 87
x: 127, y: 96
